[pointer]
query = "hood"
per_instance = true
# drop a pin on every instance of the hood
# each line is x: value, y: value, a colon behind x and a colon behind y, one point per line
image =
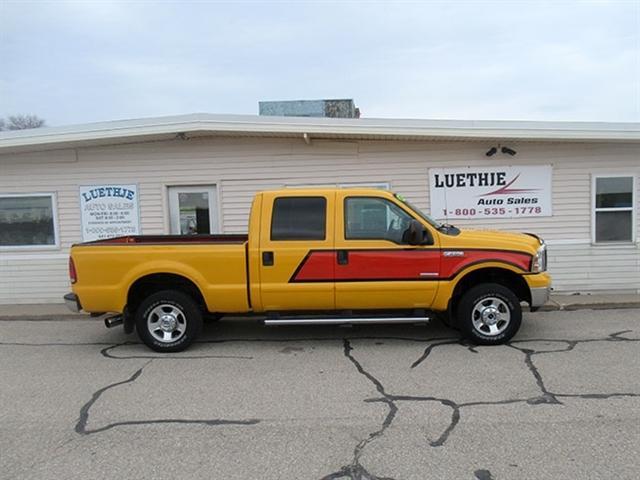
x: 492, y: 239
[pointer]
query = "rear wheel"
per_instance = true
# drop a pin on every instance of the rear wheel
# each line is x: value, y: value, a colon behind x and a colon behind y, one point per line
x: 168, y: 321
x: 489, y: 314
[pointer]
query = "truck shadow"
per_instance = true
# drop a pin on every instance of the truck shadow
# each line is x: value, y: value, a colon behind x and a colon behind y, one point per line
x: 231, y: 330
x: 249, y: 329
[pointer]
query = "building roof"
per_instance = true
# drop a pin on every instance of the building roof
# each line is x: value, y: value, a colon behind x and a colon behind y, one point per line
x: 203, y: 124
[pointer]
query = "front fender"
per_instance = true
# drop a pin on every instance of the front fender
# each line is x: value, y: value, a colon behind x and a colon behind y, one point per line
x: 448, y: 286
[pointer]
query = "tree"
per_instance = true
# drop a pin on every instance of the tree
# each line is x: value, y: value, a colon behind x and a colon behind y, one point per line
x: 21, y: 122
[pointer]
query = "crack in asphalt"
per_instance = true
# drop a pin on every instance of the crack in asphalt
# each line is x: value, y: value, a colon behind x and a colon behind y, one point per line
x: 552, y: 397
x: 83, y: 419
x: 356, y: 471
x: 106, y: 352
x: 429, y: 349
x: 547, y: 396
x: 209, y: 423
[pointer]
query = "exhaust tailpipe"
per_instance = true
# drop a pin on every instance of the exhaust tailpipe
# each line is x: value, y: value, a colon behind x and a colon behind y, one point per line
x: 111, y: 322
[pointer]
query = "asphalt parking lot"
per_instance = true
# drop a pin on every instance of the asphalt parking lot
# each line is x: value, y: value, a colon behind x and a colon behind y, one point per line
x: 252, y: 402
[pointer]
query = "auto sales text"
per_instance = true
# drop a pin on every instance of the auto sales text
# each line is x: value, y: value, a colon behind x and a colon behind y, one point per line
x: 510, y: 201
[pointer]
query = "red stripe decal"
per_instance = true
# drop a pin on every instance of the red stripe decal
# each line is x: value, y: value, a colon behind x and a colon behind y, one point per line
x: 371, y: 265
x: 317, y: 266
x: 388, y: 265
x: 452, y: 265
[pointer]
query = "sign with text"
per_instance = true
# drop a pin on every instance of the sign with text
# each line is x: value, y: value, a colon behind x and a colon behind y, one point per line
x: 109, y: 211
x: 490, y: 192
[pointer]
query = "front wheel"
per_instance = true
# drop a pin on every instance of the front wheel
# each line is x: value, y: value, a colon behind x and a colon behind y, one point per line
x: 168, y: 321
x: 489, y: 314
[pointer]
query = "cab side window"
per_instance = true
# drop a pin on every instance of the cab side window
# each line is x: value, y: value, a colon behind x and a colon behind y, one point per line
x: 372, y: 218
x: 299, y: 218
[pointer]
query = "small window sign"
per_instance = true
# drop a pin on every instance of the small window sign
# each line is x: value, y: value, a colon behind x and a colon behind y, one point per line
x: 109, y: 211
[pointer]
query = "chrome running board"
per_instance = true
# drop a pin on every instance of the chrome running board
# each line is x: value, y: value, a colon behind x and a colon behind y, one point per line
x: 344, y: 320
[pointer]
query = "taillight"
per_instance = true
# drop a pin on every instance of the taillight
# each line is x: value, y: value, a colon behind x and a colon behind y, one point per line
x: 73, y: 276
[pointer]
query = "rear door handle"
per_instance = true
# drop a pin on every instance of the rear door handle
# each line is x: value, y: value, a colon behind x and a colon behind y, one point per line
x: 343, y: 257
x: 267, y: 259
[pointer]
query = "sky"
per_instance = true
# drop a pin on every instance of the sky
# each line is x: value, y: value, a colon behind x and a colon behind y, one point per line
x: 85, y: 61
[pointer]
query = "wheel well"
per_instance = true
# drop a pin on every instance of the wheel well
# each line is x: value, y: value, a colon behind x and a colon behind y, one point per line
x: 150, y: 284
x: 501, y: 276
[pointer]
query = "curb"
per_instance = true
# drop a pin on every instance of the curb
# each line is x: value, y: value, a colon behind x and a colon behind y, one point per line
x: 571, y: 307
x: 42, y: 318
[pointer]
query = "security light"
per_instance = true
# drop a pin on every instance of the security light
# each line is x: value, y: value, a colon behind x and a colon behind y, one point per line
x: 509, y: 151
x: 492, y: 151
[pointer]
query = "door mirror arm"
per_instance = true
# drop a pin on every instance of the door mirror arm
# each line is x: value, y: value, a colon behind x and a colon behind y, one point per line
x: 417, y: 234
x: 427, y: 238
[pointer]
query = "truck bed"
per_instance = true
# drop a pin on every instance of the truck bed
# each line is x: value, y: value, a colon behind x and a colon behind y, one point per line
x: 215, y: 264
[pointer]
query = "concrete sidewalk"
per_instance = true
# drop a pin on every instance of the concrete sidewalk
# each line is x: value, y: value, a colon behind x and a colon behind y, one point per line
x: 595, y: 301
x: 58, y: 311
x: 41, y: 311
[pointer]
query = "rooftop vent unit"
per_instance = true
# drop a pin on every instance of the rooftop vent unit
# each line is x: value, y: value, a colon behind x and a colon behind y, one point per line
x: 336, y: 108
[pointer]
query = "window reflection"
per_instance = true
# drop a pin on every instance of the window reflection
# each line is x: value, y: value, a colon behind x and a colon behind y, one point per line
x: 26, y: 220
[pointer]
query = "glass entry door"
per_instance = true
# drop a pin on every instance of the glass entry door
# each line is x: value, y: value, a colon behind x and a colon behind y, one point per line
x: 192, y: 210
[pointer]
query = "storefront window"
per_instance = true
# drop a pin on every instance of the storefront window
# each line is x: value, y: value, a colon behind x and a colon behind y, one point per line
x: 27, y: 220
x: 194, y: 213
x: 192, y: 210
x: 614, y: 209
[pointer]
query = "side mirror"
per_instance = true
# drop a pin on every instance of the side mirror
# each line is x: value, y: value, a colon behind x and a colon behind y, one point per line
x: 417, y: 234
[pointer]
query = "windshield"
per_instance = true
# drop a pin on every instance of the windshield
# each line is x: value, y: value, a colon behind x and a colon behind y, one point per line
x: 417, y: 211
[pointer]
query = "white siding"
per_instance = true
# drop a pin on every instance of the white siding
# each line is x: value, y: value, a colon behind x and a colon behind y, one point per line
x: 242, y: 166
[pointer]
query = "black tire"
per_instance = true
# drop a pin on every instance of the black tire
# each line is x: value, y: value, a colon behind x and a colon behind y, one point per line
x: 179, y: 309
x: 489, y: 302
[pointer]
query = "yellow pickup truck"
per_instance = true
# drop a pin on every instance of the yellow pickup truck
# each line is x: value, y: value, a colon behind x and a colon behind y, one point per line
x: 321, y: 256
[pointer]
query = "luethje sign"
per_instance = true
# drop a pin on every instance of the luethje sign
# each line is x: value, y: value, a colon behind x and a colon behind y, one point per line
x: 490, y: 192
x: 109, y: 211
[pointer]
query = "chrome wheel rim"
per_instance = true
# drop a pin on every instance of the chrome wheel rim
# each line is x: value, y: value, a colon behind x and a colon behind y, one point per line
x: 167, y: 323
x: 491, y: 316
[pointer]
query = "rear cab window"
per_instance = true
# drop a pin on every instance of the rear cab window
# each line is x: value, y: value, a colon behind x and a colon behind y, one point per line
x: 299, y: 218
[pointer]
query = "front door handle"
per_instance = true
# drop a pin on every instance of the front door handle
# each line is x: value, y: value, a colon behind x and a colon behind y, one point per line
x: 343, y: 257
x: 267, y: 259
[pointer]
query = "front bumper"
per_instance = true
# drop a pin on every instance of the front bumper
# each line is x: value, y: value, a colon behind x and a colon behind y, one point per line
x: 540, y: 289
x: 539, y: 296
x: 72, y: 302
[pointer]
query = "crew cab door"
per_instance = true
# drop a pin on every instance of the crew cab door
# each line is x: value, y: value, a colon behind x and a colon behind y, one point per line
x: 296, y: 240
x: 375, y: 267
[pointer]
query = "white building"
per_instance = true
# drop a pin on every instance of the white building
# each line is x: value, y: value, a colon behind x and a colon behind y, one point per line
x: 199, y: 173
